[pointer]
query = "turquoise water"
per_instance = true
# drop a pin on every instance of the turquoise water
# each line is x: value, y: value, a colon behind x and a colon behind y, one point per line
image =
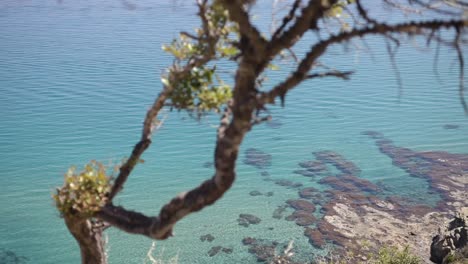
x: 76, y: 79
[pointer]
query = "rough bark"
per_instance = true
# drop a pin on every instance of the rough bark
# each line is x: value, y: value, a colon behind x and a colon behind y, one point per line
x: 88, y: 238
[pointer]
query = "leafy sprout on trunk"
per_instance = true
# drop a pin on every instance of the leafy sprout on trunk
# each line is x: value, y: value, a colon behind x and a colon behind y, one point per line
x: 83, y: 193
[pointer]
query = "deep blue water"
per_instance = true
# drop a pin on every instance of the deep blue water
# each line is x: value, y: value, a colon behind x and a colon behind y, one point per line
x: 76, y: 79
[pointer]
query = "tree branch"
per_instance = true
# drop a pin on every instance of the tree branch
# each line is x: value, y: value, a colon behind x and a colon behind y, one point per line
x: 343, y: 75
x: 363, y: 13
x: 461, y: 62
x: 287, y: 19
x: 246, y: 28
x: 307, y: 20
x: 159, y: 103
x: 160, y: 227
x: 412, y: 28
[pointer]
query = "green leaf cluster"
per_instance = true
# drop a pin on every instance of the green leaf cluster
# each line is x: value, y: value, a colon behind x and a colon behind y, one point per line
x: 198, y: 93
x: 200, y: 89
x: 83, y: 193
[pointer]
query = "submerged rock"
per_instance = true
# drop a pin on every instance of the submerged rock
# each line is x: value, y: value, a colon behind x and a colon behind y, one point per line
x: 278, y: 213
x: 248, y: 219
x: 313, y: 165
x: 255, y: 193
x: 249, y: 241
x: 308, y: 193
x: 446, y: 173
x: 302, y: 218
x: 257, y: 158
x: 301, y: 205
x: 216, y: 249
x: 227, y: 250
x: 288, y: 183
x: 315, y: 237
x: 337, y: 160
x: 264, y: 250
x: 207, y: 237
x: 350, y: 183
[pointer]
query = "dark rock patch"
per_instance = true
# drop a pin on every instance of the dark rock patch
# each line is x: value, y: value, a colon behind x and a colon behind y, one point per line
x: 257, y: 158
x: 315, y: 237
x: 301, y: 205
x: 263, y: 250
x: 278, y: 213
x: 313, y: 166
x: 217, y: 249
x: 255, y: 193
x: 207, y: 237
x: 444, y: 171
x: 269, y: 194
x: 329, y: 232
x: 248, y: 219
x: 249, y: 240
x: 265, y: 174
x: 214, y: 250
x: 308, y: 193
x: 302, y: 218
x: 306, y: 173
x: 227, y: 250
x: 288, y: 183
x: 350, y: 183
x: 337, y: 160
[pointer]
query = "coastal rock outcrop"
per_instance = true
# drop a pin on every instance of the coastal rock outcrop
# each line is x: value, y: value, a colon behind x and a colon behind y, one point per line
x: 452, y: 242
x: 355, y: 209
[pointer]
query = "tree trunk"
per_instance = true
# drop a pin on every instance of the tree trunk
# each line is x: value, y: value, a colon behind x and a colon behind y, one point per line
x: 89, y: 239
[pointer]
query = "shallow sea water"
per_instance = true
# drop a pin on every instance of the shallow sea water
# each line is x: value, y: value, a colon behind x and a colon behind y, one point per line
x: 76, y: 79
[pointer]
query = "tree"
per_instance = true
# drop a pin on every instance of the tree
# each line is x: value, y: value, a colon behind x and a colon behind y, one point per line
x: 193, y: 84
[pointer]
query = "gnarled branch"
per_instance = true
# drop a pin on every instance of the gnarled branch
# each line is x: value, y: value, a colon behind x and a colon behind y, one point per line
x: 252, y: 35
x: 307, y: 20
x: 159, y: 103
x: 300, y: 74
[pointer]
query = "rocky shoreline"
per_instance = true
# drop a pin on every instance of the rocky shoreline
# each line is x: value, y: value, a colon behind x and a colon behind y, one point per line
x: 355, y: 215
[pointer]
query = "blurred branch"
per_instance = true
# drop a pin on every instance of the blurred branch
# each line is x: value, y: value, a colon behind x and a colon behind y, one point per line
x: 300, y: 74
